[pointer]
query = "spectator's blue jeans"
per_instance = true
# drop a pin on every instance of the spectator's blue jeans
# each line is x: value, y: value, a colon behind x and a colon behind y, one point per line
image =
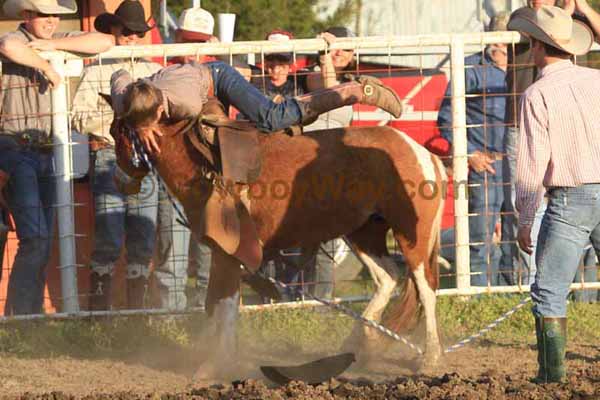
x: 513, y: 258
x: 30, y: 195
x: 120, y: 219
x: 232, y: 89
x: 571, y: 221
x: 485, y: 199
x: 176, y: 250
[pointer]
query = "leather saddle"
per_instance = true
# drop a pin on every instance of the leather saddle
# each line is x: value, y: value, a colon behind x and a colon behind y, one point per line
x: 232, y: 148
x: 233, y: 145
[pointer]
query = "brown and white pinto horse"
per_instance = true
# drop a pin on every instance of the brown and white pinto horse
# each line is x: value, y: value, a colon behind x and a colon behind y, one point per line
x: 358, y: 182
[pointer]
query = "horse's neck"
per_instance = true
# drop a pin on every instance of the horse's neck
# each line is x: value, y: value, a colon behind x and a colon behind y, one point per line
x: 179, y: 166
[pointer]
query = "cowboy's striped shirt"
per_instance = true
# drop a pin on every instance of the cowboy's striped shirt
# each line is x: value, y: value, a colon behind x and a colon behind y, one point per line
x: 559, y: 141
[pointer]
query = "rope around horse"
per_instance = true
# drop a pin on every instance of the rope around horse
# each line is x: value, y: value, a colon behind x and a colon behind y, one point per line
x: 139, y: 152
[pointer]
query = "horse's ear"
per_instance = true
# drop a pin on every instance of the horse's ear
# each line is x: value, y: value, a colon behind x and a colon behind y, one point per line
x: 107, y: 98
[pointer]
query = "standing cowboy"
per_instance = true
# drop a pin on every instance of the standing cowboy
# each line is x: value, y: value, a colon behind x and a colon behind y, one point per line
x: 26, y: 152
x: 559, y: 152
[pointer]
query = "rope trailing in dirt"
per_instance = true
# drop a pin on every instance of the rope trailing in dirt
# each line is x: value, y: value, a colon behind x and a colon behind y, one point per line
x: 356, y: 316
x: 489, y: 327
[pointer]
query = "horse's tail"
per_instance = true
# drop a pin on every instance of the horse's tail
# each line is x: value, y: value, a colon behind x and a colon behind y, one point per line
x: 404, y: 314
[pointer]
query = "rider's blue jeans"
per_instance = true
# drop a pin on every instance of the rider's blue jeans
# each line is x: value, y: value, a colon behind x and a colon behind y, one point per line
x: 231, y: 88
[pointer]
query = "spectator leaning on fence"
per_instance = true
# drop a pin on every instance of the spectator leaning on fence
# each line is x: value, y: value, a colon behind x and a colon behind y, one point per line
x: 195, y: 25
x: 25, y: 137
x: 278, y: 83
x: 119, y: 219
x: 485, y: 87
x: 558, y: 153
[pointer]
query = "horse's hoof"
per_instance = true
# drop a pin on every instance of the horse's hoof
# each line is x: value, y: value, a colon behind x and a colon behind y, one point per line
x: 431, y: 361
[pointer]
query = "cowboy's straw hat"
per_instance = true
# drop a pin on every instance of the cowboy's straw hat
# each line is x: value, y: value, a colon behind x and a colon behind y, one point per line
x: 552, y: 25
x: 13, y: 8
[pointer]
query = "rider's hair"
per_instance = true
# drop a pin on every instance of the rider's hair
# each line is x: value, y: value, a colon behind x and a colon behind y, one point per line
x: 141, y: 101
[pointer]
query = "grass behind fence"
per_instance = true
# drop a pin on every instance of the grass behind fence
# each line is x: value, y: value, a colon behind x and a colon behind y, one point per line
x: 306, y: 330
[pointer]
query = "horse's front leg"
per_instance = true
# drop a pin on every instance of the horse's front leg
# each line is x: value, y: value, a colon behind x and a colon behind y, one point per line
x: 222, y: 307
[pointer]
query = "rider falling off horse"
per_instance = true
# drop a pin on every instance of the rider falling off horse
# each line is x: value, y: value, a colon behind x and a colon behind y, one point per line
x: 166, y: 94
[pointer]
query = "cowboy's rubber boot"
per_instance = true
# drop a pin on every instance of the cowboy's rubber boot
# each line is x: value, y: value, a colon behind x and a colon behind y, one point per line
x: 137, y: 290
x: 552, y: 340
x: 100, y: 292
x: 364, y: 90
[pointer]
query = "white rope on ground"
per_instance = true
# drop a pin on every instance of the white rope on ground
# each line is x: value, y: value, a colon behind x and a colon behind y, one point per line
x: 488, y: 328
x: 356, y: 316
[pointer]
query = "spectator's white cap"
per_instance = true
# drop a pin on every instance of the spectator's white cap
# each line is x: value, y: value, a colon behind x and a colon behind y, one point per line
x: 196, y: 25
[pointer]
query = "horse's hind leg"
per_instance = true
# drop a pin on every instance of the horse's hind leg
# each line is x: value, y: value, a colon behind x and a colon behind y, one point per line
x: 369, y: 245
x: 425, y: 281
x: 222, y: 307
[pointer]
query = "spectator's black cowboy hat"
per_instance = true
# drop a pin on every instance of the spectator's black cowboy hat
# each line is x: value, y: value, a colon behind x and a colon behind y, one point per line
x: 129, y: 14
x: 13, y: 8
x: 553, y: 26
x: 340, y: 31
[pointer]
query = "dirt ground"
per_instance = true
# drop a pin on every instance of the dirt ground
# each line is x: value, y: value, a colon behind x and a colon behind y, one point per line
x: 488, y: 371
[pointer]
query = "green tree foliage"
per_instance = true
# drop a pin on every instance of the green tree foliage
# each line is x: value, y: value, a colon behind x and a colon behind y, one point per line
x: 255, y: 18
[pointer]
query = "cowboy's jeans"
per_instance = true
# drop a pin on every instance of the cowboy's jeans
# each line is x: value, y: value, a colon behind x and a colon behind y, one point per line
x: 176, y: 252
x: 30, y: 195
x: 572, y: 219
x: 232, y: 89
x: 122, y: 220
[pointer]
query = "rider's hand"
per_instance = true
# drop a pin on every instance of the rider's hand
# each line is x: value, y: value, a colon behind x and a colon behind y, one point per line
x: 149, y: 137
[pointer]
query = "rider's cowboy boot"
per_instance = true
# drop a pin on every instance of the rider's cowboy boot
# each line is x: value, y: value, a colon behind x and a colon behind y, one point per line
x: 364, y: 90
x: 100, y: 299
x: 137, y: 291
x: 551, y: 342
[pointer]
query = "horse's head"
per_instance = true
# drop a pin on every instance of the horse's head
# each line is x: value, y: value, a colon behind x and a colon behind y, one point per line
x: 131, y: 169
